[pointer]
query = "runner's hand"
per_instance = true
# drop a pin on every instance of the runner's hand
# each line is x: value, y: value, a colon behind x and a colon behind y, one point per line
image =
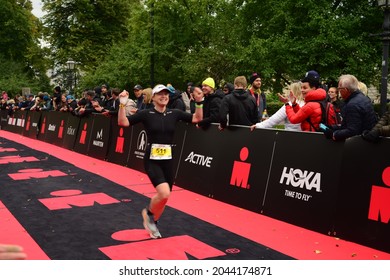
x: 123, y: 97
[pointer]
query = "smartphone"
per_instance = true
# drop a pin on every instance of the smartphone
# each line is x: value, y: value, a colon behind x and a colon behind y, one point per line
x: 323, y: 127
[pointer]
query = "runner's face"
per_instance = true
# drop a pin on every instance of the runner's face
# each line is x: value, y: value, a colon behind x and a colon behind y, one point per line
x: 161, y: 98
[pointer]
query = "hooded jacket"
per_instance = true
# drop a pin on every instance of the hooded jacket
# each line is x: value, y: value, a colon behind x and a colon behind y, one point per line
x: 176, y: 101
x: 310, y: 111
x: 211, y: 106
x: 239, y: 108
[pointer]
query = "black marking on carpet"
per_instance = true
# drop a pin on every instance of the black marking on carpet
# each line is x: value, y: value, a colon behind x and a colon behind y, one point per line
x: 79, y: 232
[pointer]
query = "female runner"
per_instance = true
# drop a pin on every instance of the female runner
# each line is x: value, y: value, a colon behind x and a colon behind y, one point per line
x: 160, y: 123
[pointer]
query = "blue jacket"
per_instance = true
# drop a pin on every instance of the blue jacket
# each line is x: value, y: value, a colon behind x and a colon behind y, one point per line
x: 358, y: 115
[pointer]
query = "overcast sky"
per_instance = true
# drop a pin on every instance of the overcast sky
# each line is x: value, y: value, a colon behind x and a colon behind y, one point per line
x: 37, y: 8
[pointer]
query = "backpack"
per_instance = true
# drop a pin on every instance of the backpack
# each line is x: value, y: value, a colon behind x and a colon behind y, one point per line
x: 329, y: 116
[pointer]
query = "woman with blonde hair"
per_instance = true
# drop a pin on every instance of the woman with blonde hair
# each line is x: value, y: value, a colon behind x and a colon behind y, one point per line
x: 280, y: 116
x: 147, y: 102
x: 363, y: 88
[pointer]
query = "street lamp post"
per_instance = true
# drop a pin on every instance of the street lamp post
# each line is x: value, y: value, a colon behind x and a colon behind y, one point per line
x: 385, y: 5
x: 152, y: 57
x: 70, y: 64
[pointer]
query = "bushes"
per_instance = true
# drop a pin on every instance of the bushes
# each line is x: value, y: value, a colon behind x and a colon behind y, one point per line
x: 273, y: 106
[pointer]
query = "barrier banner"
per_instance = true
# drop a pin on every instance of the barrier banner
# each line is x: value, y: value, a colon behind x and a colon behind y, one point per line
x: 138, y: 143
x: 119, y: 145
x: 32, y: 122
x: 71, y: 129
x: 4, y: 119
x: 42, y: 125
x: 100, y: 137
x: 16, y: 122
x: 337, y: 188
x: 197, y: 169
x: 363, y: 205
x: 243, y: 166
x: 54, y: 127
x: 304, y: 179
x: 84, y: 133
x: 128, y: 145
x: 178, y: 140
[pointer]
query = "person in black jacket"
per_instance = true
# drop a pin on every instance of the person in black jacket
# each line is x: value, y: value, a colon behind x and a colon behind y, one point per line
x: 211, y: 104
x: 93, y: 104
x: 239, y: 107
x: 357, y: 113
x: 175, y: 99
x: 382, y: 128
x: 228, y: 88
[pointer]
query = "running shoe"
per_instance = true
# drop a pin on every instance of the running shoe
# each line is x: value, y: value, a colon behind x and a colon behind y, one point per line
x: 150, y: 225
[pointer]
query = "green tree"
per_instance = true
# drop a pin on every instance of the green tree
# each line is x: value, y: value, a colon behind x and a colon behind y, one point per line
x: 14, y: 77
x: 16, y: 28
x: 22, y: 59
x: 192, y: 40
x: 293, y: 36
x: 84, y: 30
x: 223, y: 39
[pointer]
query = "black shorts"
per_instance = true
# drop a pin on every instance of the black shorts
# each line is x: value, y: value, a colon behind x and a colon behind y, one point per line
x: 159, y: 171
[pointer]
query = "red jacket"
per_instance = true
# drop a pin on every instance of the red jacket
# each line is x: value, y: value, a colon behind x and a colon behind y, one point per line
x: 311, y: 110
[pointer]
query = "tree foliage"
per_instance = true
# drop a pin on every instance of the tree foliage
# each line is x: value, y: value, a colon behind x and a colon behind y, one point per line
x: 332, y: 37
x: 16, y: 27
x: 84, y: 30
x: 123, y: 42
x: 223, y: 39
x: 22, y: 60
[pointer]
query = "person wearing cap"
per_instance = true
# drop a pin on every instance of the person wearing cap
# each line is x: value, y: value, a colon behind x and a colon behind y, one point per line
x: 48, y: 102
x: 310, y: 114
x: 160, y: 124
x: 175, y: 99
x: 239, y: 107
x: 71, y: 103
x: 139, y: 98
x: 211, y: 104
x: 255, y: 91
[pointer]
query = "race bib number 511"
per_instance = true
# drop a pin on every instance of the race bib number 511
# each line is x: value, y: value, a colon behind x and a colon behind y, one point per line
x: 161, y: 151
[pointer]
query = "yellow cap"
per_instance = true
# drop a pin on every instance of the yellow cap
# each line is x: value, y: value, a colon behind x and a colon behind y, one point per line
x: 209, y: 82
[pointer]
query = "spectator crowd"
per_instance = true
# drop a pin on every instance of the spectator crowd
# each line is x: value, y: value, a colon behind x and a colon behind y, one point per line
x: 242, y: 102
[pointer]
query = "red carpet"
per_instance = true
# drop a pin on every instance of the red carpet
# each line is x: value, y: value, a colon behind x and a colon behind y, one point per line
x: 189, y: 215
